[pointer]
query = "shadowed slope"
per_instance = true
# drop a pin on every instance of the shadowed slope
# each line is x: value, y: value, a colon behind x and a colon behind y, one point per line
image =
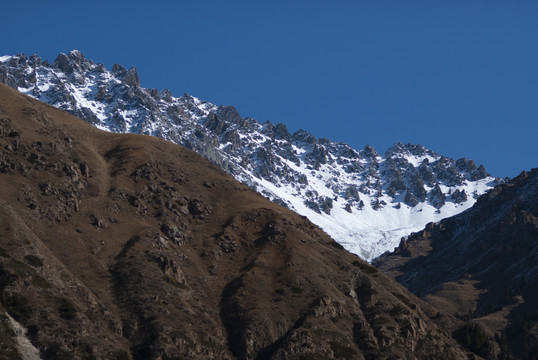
x: 482, y: 264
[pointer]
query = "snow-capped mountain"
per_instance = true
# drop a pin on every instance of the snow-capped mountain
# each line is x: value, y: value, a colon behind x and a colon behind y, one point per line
x: 364, y: 200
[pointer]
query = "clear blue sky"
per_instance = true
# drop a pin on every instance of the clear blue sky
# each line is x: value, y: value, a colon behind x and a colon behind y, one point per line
x: 460, y: 77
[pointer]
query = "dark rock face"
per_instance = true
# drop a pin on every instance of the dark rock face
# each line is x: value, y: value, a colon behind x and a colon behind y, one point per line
x: 437, y: 197
x: 119, y: 246
x: 369, y: 152
x: 117, y: 69
x: 479, y: 173
x: 304, y: 137
x: 415, y: 190
x: 468, y: 166
x: 352, y: 193
x: 131, y: 78
x: 446, y: 171
x: 426, y: 174
x: 75, y: 61
x: 62, y: 62
x: 465, y: 165
x: 481, y: 262
x: 7, y: 78
x: 459, y: 196
x: 230, y: 115
x: 280, y: 132
x: 326, y: 205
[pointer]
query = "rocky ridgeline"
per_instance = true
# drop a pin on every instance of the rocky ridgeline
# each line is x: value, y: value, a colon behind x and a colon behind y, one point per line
x: 315, y: 177
x: 491, y: 280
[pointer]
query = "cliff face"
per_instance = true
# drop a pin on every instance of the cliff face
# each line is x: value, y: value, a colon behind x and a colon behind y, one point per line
x: 481, y: 264
x: 127, y: 246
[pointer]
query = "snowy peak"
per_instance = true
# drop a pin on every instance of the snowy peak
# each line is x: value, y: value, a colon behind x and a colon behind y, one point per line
x: 364, y: 200
x: 414, y: 153
x: 75, y: 61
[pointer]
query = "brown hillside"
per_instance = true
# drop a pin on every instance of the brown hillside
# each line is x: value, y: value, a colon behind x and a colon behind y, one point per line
x: 125, y: 246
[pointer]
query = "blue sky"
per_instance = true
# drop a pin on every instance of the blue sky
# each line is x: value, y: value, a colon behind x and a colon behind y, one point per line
x: 459, y: 77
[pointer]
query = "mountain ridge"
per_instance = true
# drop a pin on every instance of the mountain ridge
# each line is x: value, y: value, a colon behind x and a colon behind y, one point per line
x: 492, y: 275
x: 364, y: 200
x: 122, y: 246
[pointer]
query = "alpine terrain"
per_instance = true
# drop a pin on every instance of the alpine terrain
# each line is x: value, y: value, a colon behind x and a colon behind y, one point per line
x: 122, y: 246
x: 365, y: 200
x: 481, y: 265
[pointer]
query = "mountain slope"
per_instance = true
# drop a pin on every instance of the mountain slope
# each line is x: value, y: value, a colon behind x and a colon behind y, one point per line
x: 483, y: 262
x: 364, y: 200
x: 120, y: 246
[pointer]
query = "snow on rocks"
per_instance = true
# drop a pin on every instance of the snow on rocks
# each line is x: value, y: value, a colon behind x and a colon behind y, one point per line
x: 365, y: 201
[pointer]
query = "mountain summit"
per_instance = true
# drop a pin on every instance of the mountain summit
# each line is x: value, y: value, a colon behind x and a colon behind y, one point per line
x: 364, y: 200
